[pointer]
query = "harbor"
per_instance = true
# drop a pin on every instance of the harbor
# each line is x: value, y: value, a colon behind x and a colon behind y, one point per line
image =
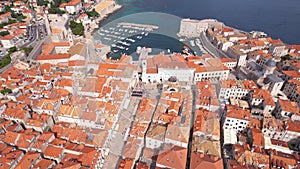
x: 121, y: 37
x: 126, y: 37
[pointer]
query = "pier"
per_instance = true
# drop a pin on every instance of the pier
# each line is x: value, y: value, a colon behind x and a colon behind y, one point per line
x: 143, y: 55
x: 153, y: 27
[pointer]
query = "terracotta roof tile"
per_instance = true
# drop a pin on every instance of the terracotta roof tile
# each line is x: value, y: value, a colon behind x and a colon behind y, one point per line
x: 289, y: 106
x: 237, y: 112
x: 172, y: 156
x: 53, y: 57
x: 265, y: 95
x: 8, y: 37
x: 43, y: 164
x: 126, y: 164
x: 201, y: 161
x: 28, y: 160
x: 52, y: 151
x: 293, y: 126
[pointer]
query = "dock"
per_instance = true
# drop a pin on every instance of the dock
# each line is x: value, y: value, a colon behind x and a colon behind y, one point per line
x: 143, y: 55
x: 146, y: 26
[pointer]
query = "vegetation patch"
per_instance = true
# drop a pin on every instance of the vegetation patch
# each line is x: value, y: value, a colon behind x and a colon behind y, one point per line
x: 5, y: 91
x: 77, y: 28
x: 5, y: 61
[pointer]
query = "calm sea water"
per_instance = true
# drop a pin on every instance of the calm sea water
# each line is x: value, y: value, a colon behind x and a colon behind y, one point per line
x: 278, y: 18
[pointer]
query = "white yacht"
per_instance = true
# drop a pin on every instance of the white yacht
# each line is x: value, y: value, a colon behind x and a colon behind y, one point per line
x: 138, y: 50
x: 120, y: 47
x: 131, y: 40
x: 126, y: 44
x: 192, y: 43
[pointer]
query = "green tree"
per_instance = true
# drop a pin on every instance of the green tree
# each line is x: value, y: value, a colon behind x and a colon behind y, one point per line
x: 52, y: 10
x: 4, y: 33
x: 5, y: 61
x: 7, y: 8
x: 56, y: 3
x: 55, y: 10
x: 27, y: 50
x: 18, y: 17
x: 42, y: 2
x: 92, y: 13
x: 12, y: 50
x: 11, y: 21
x: 73, y: 24
x: 6, y: 90
x: 77, y: 28
x: 64, y: 1
x: 286, y: 57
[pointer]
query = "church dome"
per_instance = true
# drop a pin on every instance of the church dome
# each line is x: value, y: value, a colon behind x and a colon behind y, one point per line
x: 271, y: 63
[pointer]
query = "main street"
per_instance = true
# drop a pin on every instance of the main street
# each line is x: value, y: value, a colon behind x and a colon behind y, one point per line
x: 118, y: 139
x: 37, y: 49
x: 211, y: 48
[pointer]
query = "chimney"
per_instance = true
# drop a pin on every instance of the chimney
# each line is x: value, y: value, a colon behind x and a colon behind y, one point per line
x: 214, y: 158
x: 201, y: 155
